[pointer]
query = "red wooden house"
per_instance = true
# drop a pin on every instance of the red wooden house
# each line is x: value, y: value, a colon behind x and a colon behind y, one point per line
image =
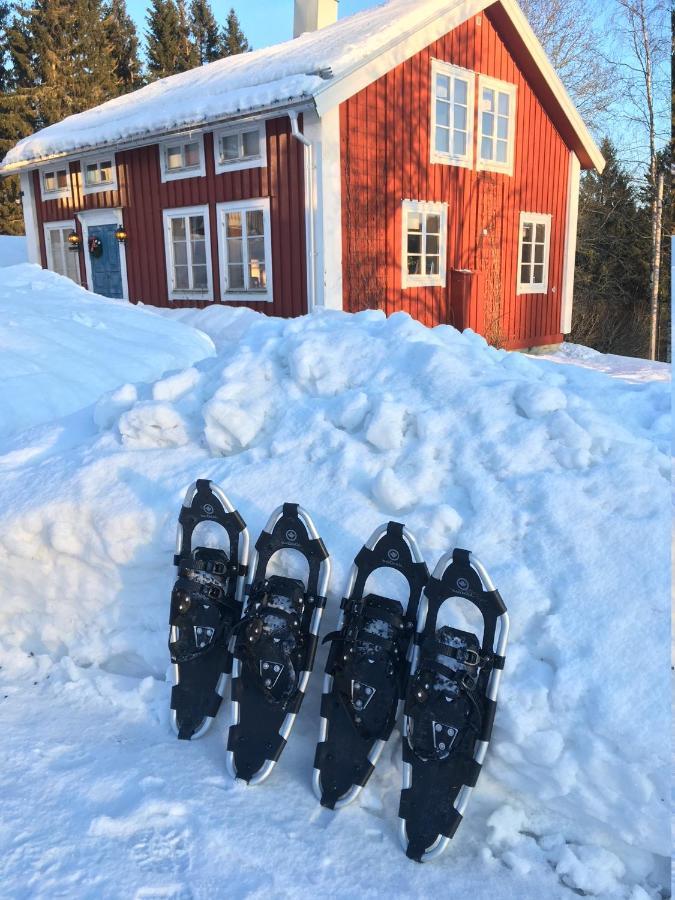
x: 420, y: 156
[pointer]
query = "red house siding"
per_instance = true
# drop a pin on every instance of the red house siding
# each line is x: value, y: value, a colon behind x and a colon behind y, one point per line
x: 143, y: 196
x: 385, y: 144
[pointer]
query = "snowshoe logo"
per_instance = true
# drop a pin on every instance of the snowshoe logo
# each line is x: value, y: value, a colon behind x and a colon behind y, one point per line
x: 270, y: 672
x: 208, y: 509
x: 463, y: 584
x: 291, y: 535
x: 203, y: 635
x: 444, y: 736
x: 393, y: 555
x: 362, y: 694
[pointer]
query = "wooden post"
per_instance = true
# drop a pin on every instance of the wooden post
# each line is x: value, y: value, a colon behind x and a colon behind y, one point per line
x: 656, y: 264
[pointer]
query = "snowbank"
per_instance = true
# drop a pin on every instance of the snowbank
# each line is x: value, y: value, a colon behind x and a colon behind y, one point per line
x: 13, y: 251
x: 62, y: 347
x: 556, y: 476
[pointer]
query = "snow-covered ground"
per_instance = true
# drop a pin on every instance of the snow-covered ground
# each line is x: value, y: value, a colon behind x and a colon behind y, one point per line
x: 12, y: 251
x: 557, y: 476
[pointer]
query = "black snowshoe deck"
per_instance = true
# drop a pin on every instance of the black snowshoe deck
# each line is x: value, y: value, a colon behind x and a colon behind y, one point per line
x: 366, y: 668
x: 205, y: 605
x: 450, y: 706
x: 274, y: 645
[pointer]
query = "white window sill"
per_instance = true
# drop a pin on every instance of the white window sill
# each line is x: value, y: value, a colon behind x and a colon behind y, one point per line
x: 246, y: 297
x: 488, y: 166
x: 55, y: 195
x: 239, y: 164
x: 531, y: 289
x: 194, y: 172
x: 191, y: 295
x: 422, y: 282
x: 442, y: 160
x: 99, y: 188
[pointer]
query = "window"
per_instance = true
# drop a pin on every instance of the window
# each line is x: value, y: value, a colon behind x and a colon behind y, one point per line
x: 242, y: 148
x: 182, y: 158
x: 451, y: 114
x: 60, y: 258
x: 55, y: 182
x: 496, y: 124
x: 188, y: 256
x: 533, y: 250
x: 245, y: 250
x: 425, y: 228
x: 99, y: 174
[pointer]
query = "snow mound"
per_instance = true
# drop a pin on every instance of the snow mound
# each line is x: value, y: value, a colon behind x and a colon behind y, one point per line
x: 557, y: 477
x: 62, y: 347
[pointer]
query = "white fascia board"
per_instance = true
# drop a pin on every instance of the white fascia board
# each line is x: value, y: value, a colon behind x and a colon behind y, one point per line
x: 325, y: 133
x: 570, y: 251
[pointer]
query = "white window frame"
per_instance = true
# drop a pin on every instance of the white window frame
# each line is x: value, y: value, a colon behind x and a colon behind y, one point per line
x: 176, y: 174
x: 438, y: 67
x: 426, y: 208
x: 59, y: 193
x: 504, y: 87
x: 252, y: 162
x: 536, y: 219
x: 189, y: 293
x: 61, y: 226
x: 226, y: 296
x: 98, y: 188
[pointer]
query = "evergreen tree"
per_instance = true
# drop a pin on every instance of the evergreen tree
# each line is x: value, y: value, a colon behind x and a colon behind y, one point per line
x: 234, y: 39
x: 15, y: 123
x: 169, y: 47
x: 123, y: 42
x: 611, y: 290
x: 205, y: 32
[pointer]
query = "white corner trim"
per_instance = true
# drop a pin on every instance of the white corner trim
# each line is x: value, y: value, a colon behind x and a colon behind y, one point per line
x: 439, y: 67
x: 255, y: 162
x: 98, y: 188
x: 504, y: 87
x: 30, y: 218
x: 570, y: 251
x: 177, y: 174
x: 536, y: 219
x: 328, y: 244
x: 91, y: 217
x: 226, y: 296
x: 427, y: 208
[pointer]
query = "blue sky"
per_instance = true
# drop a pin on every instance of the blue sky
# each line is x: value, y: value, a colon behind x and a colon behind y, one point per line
x: 264, y: 21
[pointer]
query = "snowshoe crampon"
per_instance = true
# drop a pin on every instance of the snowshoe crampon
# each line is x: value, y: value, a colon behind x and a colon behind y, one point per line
x: 275, y: 645
x: 450, y: 705
x: 206, y: 603
x: 366, y: 668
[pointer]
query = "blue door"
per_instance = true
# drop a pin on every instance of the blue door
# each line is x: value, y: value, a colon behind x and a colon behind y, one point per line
x: 106, y: 269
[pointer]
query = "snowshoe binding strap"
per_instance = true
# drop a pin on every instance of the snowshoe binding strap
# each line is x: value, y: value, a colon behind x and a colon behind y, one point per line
x: 275, y: 644
x: 205, y: 605
x: 366, y: 667
x: 450, y: 705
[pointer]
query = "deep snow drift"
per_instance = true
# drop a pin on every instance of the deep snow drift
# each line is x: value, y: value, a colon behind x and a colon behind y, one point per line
x: 62, y: 347
x: 556, y: 476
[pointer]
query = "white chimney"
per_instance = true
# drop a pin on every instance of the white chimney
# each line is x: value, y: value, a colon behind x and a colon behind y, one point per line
x: 310, y: 15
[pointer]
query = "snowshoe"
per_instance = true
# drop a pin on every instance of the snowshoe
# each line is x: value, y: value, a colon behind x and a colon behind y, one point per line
x: 366, y: 668
x: 206, y: 603
x: 274, y: 645
x: 450, y: 705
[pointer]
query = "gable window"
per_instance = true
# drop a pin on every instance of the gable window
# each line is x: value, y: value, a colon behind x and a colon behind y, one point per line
x: 496, y: 124
x: 99, y: 174
x: 241, y: 148
x: 55, y: 182
x: 188, y: 255
x: 452, y: 111
x: 60, y: 258
x: 182, y: 158
x: 245, y: 248
x: 533, y: 253
x: 425, y: 227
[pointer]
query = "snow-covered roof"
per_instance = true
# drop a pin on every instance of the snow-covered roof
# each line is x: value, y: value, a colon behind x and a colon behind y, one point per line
x: 321, y: 67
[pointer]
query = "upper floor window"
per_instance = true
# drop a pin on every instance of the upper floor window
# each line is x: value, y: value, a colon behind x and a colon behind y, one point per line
x: 245, y: 247
x: 240, y: 148
x: 452, y: 111
x: 533, y: 253
x: 55, y: 182
x: 425, y: 228
x: 496, y: 124
x: 188, y: 253
x: 99, y: 174
x: 182, y: 158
